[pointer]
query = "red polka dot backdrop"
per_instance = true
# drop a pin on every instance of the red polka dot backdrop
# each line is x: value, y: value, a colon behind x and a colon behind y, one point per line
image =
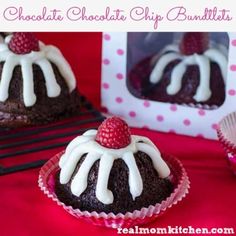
x: 163, y: 82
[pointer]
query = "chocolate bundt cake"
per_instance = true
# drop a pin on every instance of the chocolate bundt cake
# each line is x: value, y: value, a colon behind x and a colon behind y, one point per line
x: 193, y: 73
x: 37, y: 84
x: 110, y: 170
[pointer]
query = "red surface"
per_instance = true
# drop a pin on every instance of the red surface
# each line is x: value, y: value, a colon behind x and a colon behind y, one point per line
x: 25, y: 210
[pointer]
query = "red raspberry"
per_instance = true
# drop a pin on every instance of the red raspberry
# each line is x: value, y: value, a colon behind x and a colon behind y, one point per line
x: 113, y: 133
x: 194, y: 42
x: 23, y: 43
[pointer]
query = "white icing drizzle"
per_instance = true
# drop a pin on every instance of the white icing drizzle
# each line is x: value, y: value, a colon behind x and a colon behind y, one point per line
x: 28, y: 83
x: 158, y: 163
x: 82, y: 174
x: 103, y: 194
x: 75, y: 142
x: 6, y: 77
x: 219, y: 58
x: 41, y: 58
x: 203, y: 92
x: 54, y: 55
x: 86, y: 145
x: 135, y: 179
x: 53, y: 89
x: 170, y: 47
x: 70, y: 165
x: 161, y: 65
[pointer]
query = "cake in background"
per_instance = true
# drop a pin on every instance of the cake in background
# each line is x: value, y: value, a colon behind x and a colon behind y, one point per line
x: 37, y: 85
x: 191, y: 71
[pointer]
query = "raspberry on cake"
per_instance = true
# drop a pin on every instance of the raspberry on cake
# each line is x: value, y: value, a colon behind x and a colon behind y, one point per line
x: 23, y: 43
x: 113, y: 133
x: 110, y: 170
x: 194, y: 42
x: 37, y: 85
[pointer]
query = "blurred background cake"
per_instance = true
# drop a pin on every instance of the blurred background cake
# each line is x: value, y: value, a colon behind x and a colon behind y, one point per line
x: 110, y: 170
x: 192, y: 71
x: 37, y: 85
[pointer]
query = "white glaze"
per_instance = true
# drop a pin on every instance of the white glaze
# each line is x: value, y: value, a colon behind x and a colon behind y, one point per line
x: 220, y: 59
x: 135, y: 179
x: 159, y: 68
x: 41, y: 58
x: 86, y: 144
x: 203, y: 92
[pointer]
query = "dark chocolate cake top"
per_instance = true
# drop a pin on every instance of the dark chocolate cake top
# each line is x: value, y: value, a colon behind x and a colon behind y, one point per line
x: 24, y: 50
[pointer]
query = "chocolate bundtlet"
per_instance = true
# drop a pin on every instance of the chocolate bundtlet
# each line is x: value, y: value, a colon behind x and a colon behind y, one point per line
x: 193, y: 73
x: 37, y: 85
x: 110, y: 170
x: 155, y: 189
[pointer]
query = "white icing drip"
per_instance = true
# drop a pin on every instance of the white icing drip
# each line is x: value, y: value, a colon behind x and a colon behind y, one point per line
x: 8, y: 38
x: 55, y: 56
x: 72, y: 145
x: 53, y: 88
x: 86, y: 144
x: 219, y: 47
x: 203, y: 92
x: 218, y: 58
x: 223, y: 49
x: 41, y: 58
x: 161, y: 65
x: 63, y: 160
x: 103, y: 194
x: 170, y: 47
x: 79, y: 183
x: 6, y: 78
x: 28, y: 83
x: 3, y: 46
x: 176, y: 78
x: 70, y: 165
x: 135, y: 179
x: 158, y: 163
x: 90, y: 132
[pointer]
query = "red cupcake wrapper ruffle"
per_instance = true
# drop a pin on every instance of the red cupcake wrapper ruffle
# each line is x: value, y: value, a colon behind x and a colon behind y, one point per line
x: 178, y: 177
x: 226, y: 132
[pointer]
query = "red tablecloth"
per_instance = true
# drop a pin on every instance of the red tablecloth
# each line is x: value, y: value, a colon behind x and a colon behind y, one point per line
x: 25, y: 210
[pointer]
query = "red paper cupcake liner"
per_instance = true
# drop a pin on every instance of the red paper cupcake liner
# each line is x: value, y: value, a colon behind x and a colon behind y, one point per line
x: 226, y: 132
x: 178, y: 177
